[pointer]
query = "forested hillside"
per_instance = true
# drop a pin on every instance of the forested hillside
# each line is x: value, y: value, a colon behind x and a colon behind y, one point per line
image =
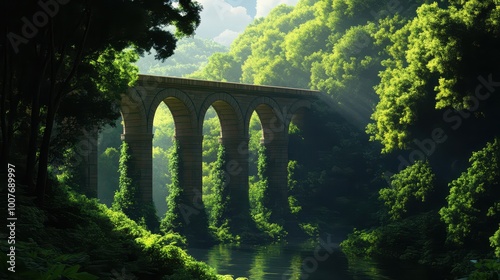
x: 331, y: 46
x: 417, y: 77
x: 189, y: 55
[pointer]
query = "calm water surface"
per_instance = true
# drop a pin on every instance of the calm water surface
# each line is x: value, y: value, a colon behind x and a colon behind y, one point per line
x: 302, y: 261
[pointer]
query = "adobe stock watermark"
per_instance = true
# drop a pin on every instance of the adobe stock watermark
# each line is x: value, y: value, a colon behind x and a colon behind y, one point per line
x: 310, y: 264
x: 11, y: 217
x: 426, y: 147
x: 30, y: 27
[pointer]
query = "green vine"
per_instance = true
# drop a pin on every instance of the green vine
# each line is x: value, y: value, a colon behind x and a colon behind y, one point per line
x: 261, y: 212
x: 220, y: 214
x: 172, y: 221
x: 128, y: 198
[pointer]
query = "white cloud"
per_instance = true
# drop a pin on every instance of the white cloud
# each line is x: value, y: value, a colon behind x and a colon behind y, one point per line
x: 226, y: 37
x: 218, y: 16
x: 263, y: 7
x: 223, y: 20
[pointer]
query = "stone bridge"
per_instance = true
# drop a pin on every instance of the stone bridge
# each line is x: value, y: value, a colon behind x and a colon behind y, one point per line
x: 188, y: 101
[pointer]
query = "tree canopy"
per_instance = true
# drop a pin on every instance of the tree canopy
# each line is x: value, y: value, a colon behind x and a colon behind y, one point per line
x: 441, y: 59
x: 71, y: 50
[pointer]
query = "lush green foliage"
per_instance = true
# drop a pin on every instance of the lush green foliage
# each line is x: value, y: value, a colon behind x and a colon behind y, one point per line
x: 128, y: 197
x: 257, y: 56
x: 436, y: 79
x: 190, y: 54
x: 473, y: 207
x: 435, y: 61
x: 292, y: 184
x: 495, y: 242
x: 220, y: 67
x: 79, y: 238
x: 418, y: 239
x: 220, y: 217
x: 172, y: 221
x: 260, y: 200
x: 414, y: 183
x: 128, y: 193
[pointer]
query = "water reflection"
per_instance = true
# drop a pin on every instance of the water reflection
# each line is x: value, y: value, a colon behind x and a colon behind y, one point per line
x: 295, y: 268
x: 361, y: 269
x: 276, y: 261
x: 219, y: 254
x: 301, y: 261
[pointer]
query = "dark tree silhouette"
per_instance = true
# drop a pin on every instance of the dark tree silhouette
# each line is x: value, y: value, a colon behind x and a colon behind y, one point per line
x: 54, y: 50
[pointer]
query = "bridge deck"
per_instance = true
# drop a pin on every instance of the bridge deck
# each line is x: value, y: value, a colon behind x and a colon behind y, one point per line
x: 225, y: 86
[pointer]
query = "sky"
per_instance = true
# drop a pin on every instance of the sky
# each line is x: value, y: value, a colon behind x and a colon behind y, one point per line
x: 224, y: 20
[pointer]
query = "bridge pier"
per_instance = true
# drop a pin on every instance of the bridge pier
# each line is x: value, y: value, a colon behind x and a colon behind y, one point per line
x: 140, y: 150
x: 277, y: 157
x: 237, y: 176
x: 190, y: 149
x: 192, y: 209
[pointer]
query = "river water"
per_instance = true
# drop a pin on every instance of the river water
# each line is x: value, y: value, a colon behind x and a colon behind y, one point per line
x: 313, y: 261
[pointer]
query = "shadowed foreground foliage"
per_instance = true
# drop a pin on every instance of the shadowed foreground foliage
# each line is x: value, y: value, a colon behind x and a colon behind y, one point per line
x: 79, y: 238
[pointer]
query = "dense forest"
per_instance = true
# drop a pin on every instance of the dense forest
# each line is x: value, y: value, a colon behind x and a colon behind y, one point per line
x: 413, y: 84
x: 400, y: 159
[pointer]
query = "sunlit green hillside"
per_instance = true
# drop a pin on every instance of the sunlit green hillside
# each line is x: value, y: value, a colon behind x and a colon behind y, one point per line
x: 189, y: 55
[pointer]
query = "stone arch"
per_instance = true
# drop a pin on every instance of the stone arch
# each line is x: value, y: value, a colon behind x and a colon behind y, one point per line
x: 228, y: 111
x: 181, y: 107
x: 296, y: 110
x: 270, y: 115
x: 133, y: 112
